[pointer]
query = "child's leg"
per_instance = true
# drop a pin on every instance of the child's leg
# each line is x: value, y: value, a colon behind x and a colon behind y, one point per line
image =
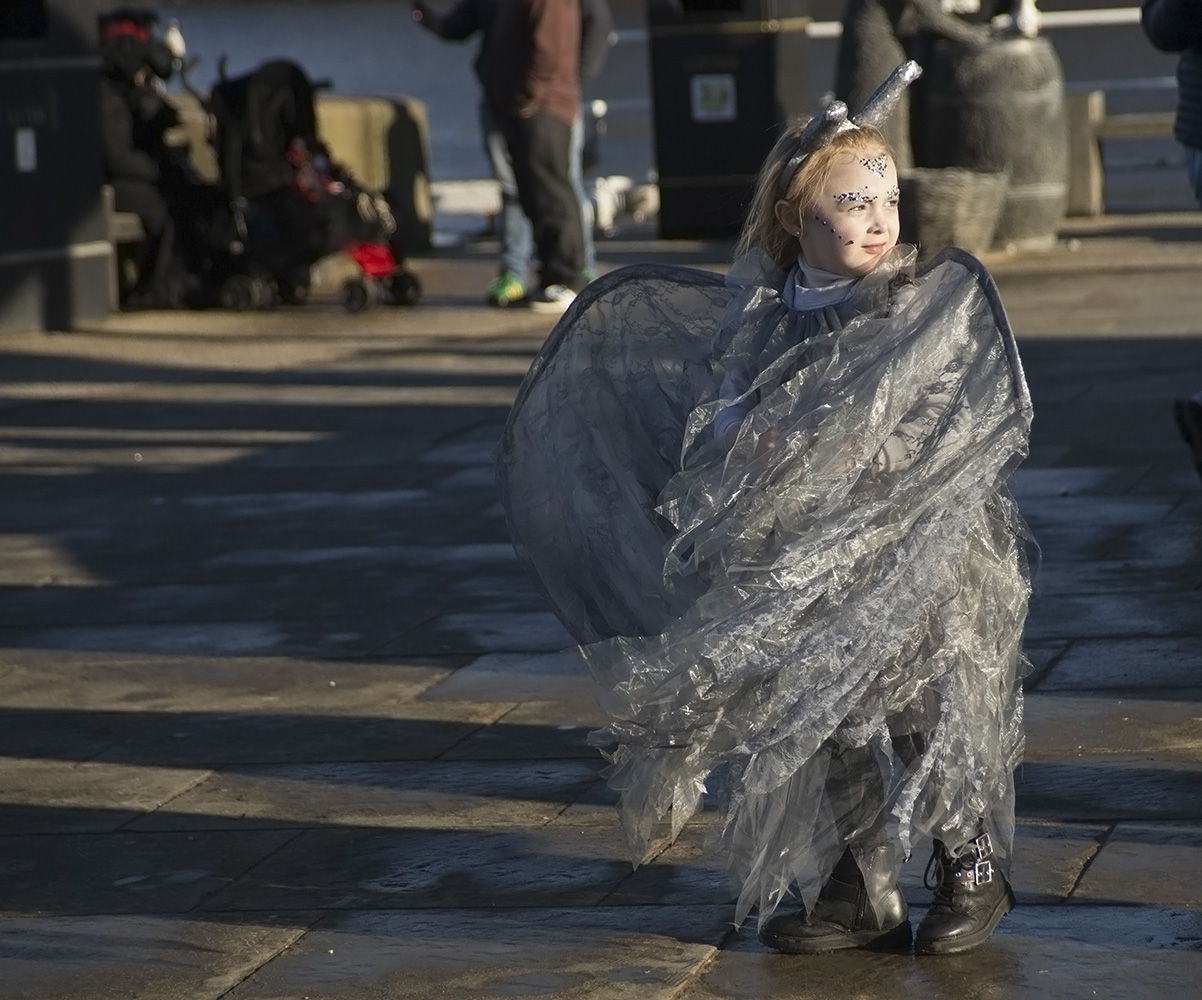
x: 861, y: 904
x: 972, y: 893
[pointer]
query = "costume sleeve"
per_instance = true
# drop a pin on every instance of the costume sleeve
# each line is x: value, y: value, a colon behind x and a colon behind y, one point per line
x: 1172, y: 25
x: 595, y: 433
x: 596, y: 37
x: 122, y: 157
x: 735, y: 383
x: 455, y: 25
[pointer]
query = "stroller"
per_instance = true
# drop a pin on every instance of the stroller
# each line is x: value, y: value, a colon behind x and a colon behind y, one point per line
x: 290, y: 203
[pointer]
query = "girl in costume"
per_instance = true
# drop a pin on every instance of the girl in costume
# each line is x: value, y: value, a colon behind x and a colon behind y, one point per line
x: 773, y: 509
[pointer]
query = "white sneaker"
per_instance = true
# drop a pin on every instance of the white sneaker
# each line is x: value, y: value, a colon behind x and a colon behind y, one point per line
x: 552, y: 299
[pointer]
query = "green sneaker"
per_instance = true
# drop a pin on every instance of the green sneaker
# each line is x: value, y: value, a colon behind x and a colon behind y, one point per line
x: 505, y: 290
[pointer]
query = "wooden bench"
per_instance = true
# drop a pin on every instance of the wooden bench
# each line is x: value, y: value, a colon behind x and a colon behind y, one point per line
x: 1088, y: 127
x: 124, y: 229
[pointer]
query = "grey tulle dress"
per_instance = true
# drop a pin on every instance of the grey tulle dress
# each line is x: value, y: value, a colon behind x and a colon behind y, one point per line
x: 828, y: 628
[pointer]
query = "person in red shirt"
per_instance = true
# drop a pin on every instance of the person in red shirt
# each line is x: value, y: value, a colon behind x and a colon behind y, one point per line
x: 529, y: 68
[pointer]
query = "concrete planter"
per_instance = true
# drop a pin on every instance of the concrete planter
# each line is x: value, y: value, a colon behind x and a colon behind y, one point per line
x: 951, y: 206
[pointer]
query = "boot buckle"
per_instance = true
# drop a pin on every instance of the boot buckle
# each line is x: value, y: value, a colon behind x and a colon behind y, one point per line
x: 982, y: 873
x: 982, y: 847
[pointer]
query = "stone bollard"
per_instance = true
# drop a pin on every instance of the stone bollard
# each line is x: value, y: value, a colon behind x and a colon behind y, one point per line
x: 1001, y: 108
x: 950, y: 206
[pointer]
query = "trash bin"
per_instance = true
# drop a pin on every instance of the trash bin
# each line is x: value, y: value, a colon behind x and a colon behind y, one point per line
x: 55, y: 253
x: 726, y: 77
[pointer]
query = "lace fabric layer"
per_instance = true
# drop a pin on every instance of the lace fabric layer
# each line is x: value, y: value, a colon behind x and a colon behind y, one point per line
x: 828, y: 614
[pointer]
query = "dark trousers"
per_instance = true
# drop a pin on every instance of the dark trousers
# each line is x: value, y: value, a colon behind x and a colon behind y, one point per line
x: 540, y: 147
x: 156, y: 257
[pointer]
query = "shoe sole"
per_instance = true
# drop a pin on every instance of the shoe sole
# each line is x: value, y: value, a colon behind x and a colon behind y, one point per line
x: 549, y: 308
x: 967, y: 942
x: 898, y: 939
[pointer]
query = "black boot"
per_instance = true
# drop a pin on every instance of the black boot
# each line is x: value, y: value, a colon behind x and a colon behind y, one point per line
x: 971, y: 898
x: 843, y: 916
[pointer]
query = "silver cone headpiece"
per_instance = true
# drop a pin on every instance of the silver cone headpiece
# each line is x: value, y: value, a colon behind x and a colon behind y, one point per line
x: 882, y: 103
x: 823, y: 127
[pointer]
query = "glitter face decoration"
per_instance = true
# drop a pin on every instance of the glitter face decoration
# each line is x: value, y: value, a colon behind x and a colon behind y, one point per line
x: 877, y: 164
x: 847, y: 196
x: 855, y: 219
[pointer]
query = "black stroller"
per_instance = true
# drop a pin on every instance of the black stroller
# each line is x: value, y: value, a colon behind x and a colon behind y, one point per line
x: 290, y: 203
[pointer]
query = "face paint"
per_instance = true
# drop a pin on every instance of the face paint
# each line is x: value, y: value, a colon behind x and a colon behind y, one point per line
x: 856, y: 212
x: 854, y: 196
x: 877, y: 164
x: 824, y: 222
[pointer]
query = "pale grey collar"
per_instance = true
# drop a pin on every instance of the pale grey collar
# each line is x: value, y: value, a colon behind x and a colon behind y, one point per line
x: 809, y: 287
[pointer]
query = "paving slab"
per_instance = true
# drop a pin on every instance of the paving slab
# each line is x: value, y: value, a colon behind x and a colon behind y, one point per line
x: 393, y: 795
x: 61, y: 796
x: 1100, y: 510
x: 1113, y: 786
x: 116, y: 956
x: 349, y: 869
x: 1030, y: 482
x: 1116, y: 615
x: 68, y: 735
x: 1145, y: 864
x: 1049, y: 858
x: 1067, y: 576
x: 161, y: 603
x: 220, y: 738
x: 557, y: 729
x: 478, y: 632
x: 1127, y: 663
x: 1167, y: 722
x: 598, y: 953
x: 555, y: 676
x: 125, y: 872
x: 88, y: 682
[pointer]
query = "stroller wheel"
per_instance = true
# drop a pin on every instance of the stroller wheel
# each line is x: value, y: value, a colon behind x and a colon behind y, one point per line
x: 360, y: 295
x: 293, y: 286
x: 295, y: 295
x: 403, y: 288
x: 241, y: 292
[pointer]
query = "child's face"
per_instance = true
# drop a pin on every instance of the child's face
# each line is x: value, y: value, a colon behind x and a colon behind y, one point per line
x: 854, y: 221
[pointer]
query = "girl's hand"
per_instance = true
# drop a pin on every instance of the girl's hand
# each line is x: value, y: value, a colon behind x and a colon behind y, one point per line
x: 767, y: 441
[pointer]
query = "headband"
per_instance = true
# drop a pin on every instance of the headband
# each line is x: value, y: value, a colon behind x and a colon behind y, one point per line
x: 823, y: 128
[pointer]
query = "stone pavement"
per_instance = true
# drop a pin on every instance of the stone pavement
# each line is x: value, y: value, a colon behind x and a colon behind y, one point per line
x: 281, y: 718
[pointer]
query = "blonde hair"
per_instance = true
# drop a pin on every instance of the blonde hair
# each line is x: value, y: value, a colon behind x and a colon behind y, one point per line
x: 762, y: 228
